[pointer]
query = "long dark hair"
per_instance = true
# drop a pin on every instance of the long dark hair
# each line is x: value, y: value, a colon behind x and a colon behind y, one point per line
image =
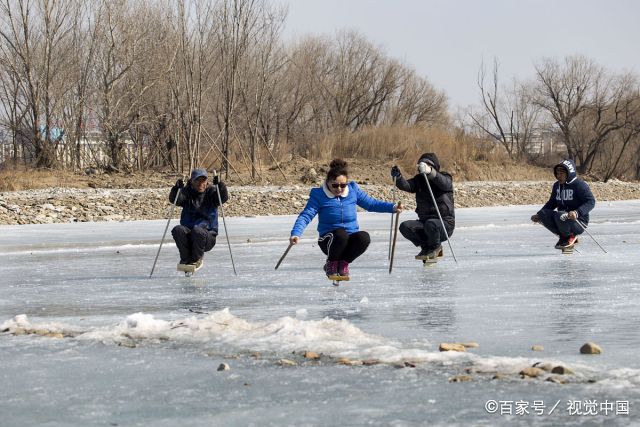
x: 337, y: 167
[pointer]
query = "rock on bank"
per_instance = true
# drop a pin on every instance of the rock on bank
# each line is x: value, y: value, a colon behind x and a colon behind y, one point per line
x: 58, y: 205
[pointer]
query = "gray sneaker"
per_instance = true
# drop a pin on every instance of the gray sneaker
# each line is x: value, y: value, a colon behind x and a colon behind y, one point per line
x: 435, y: 252
x: 192, y: 267
x: 423, y: 254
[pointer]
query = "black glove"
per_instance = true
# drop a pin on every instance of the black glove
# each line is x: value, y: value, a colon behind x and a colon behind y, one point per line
x: 395, y: 172
x: 215, y: 180
x: 180, y: 183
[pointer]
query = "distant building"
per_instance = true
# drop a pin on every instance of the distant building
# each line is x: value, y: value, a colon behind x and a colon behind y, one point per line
x: 90, y: 150
x: 546, y: 142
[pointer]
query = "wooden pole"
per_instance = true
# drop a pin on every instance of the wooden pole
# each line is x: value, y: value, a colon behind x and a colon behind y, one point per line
x: 284, y: 255
x: 395, y: 237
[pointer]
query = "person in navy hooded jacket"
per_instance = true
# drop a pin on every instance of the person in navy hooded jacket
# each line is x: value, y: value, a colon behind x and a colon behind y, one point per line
x: 198, y: 227
x: 340, y: 237
x: 571, y: 201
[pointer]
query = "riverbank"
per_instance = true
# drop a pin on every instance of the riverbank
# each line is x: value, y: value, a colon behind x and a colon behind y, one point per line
x: 62, y: 205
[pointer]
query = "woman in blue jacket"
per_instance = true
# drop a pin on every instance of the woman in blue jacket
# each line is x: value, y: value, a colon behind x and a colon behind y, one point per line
x: 335, y: 204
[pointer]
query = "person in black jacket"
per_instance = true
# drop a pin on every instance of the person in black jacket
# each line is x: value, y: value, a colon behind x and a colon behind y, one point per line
x: 427, y: 231
x: 570, y: 202
x: 198, y: 227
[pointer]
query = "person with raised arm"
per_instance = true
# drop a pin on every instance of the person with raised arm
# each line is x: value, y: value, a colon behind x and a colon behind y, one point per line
x: 427, y: 231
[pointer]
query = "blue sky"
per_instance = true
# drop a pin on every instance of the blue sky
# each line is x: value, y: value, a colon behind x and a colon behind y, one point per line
x: 446, y: 41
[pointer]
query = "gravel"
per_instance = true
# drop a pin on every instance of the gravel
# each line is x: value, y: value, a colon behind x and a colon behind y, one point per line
x: 60, y: 205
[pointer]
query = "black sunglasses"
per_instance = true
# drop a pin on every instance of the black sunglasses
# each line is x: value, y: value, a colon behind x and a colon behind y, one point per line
x: 338, y: 185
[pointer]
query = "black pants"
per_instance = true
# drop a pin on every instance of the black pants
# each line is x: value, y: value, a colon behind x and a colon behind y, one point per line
x: 338, y: 245
x: 426, y: 234
x: 551, y: 220
x: 192, y: 243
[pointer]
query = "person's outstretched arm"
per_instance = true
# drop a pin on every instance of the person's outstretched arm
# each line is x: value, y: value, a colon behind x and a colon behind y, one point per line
x: 224, y: 193
x: 552, y: 203
x: 179, y: 185
x: 588, y: 200
x: 401, y: 183
x: 370, y: 204
x: 304, y: 218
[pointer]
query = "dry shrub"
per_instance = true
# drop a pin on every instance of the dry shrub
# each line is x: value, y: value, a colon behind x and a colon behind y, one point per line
x: 6, y: 182
x: 464, y: 156
x: 400, y: 144
x: 20, y: 178
x: 371, y: 152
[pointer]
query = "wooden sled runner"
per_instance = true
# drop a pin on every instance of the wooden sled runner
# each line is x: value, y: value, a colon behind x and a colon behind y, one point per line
x: 335, y: 280
x: 189, y: 269
x: 430, y: 261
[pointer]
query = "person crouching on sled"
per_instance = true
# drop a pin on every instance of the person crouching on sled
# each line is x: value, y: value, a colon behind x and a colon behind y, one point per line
x: 427, y: 232
x: 198, y: 227
x: 335, y: 204
x: 571, y: 201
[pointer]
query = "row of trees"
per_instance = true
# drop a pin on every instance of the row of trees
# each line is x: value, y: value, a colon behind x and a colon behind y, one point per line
x: 180, y: 83
x: 189, y: 82
x: 594, y: 112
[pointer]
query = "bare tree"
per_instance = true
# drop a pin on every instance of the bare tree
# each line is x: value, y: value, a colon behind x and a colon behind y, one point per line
x: 416, y: 102
x: 81, y: 51
x: 289, y: 96
x: 586, y: 103
x: 359, y: 80
x: 191, y: 77
x: 508, y: 117
x: 616, y: 155
x: 163, y: 81
x: 32, y: 34
x: 151, y: 131
x: 14, y: 110
x: 236, y: 23
x: 258, y: 73
x: 123, y: 73
x: 349, y: 84
x: 310, y: 59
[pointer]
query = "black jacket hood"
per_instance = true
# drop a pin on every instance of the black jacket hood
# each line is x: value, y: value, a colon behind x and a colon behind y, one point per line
x: 430, y: 158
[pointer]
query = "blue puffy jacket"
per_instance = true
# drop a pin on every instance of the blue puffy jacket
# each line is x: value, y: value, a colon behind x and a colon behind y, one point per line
x: 337, y: 211
x: 574, y: 195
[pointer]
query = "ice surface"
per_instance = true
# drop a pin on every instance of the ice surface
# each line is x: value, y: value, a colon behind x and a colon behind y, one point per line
x: 144, y: 351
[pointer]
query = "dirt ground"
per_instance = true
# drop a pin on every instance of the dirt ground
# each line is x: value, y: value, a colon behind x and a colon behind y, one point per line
x: 295, y: 172
x: 41, y: 197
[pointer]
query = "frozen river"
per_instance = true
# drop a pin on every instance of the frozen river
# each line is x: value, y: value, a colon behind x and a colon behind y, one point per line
x: 135, y: 350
